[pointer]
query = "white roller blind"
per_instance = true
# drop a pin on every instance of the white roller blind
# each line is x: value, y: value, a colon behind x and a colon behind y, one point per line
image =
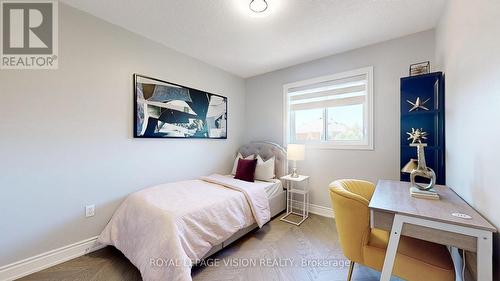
x: 336, y: 92
x: 332, y: 111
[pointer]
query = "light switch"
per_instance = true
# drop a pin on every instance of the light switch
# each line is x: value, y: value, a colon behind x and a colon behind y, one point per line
x: 89, y: 211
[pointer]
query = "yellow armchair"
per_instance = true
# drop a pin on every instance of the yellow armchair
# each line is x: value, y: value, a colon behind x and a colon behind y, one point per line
x: 416, y: 260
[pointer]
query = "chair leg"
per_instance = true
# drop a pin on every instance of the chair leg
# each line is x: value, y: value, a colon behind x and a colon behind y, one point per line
x: 351, y: 268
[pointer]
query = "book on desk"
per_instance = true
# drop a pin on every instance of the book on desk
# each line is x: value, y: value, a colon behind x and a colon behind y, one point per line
x: 424, y: 194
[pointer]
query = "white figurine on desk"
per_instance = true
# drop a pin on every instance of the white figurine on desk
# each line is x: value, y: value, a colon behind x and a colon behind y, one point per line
x: 418, y: 168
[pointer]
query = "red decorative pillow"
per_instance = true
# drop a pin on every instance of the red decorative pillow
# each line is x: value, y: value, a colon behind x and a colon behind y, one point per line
x: 246, y: 170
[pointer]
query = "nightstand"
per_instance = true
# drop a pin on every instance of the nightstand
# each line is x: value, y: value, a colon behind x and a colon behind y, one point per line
x: 302, y: 192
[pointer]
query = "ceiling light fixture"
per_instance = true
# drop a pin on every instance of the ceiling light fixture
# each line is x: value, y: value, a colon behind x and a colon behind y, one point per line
x: 258, y: 6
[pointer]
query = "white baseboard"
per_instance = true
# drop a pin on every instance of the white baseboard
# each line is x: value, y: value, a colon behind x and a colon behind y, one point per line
x: 45, y: 260
x: 321, y: 210
x: 316, y: 209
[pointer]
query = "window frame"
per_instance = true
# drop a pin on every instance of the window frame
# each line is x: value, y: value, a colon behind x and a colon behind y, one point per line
x: 366, y: 144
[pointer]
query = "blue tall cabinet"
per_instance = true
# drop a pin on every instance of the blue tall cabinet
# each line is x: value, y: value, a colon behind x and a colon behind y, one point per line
x: 430, y: 88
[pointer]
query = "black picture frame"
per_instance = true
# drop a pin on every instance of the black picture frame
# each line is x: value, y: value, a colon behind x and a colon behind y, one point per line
x: 199, y: 99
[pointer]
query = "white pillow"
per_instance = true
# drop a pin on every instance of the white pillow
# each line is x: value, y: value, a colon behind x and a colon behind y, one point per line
x: 235, y: 165
x: 265, y: 169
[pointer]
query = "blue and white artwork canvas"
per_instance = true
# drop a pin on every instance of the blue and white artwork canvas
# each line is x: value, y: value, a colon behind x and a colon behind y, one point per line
x: 167, y: 110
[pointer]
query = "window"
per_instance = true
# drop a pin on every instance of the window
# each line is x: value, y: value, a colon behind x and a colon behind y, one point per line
x: 334, y: 111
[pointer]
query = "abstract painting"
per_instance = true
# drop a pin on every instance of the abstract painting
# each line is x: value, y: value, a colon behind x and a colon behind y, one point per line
x: 167, y: 110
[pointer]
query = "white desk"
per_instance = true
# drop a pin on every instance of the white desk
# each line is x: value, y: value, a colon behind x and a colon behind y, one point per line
x: 393, y: 209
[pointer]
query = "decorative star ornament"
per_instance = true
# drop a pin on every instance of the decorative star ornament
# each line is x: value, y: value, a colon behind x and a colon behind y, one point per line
x: 418, y: 104
x: 417, y: 135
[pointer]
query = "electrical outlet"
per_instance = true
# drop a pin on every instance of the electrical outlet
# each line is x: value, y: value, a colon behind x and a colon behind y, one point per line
x: 89, y: 211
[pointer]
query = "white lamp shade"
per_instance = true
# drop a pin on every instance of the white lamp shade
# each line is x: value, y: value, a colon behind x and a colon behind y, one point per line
x: 296, y: 152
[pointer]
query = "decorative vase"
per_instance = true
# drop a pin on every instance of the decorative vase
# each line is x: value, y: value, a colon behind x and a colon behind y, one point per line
x: 422, y: 170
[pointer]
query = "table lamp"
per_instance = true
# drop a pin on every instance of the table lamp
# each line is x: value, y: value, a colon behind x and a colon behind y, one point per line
x: 296, y: 152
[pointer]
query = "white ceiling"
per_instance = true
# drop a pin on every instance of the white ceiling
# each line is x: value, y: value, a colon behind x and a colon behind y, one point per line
x: 224, y: 33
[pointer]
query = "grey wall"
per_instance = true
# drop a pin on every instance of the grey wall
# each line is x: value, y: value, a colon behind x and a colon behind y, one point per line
x: 264, y: 110
x: 66, y: 135
x: 467, y: 49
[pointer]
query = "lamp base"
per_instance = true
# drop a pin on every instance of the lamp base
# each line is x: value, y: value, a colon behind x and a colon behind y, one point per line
x: 294, y: 173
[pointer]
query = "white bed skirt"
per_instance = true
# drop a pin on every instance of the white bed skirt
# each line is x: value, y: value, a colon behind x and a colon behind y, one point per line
x: 277, y: 204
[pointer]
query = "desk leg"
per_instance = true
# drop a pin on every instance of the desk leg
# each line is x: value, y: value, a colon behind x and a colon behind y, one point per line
x: 484, y: 257
x: 392, y: 248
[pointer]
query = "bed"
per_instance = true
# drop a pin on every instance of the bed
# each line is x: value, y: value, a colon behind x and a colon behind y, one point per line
x: 165, y: 229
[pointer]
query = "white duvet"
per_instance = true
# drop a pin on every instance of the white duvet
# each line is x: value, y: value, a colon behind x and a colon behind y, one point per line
x: 164, y: 229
